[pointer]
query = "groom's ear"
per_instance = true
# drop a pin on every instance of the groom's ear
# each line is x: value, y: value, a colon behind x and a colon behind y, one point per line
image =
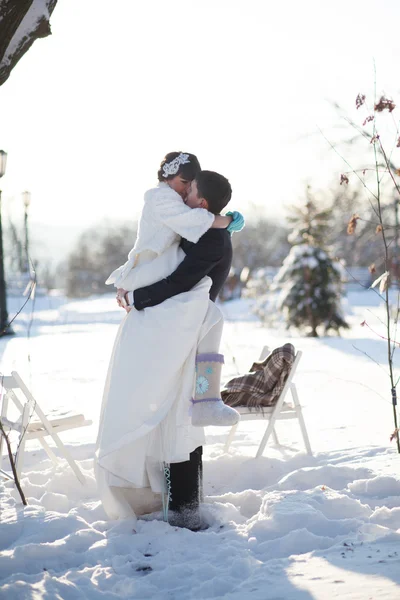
x: 204, y: 203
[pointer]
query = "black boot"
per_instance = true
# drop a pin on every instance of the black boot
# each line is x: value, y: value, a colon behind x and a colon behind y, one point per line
x: 186, y: 491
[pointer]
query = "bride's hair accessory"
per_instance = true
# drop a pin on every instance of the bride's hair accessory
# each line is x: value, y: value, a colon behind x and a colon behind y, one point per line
x: 173, y: 167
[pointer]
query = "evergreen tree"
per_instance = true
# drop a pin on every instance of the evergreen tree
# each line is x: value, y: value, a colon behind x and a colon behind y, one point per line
x: 310, y: 282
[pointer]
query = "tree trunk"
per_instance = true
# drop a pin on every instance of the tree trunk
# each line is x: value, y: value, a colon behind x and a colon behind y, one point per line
x: 21, y: 23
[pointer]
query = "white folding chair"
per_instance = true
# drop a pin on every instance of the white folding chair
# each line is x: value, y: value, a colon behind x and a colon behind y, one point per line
x: 280, y: 411
x: 33, y: 424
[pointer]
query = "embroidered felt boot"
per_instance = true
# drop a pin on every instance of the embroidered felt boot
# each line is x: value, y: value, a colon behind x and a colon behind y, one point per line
x: 208, y: 407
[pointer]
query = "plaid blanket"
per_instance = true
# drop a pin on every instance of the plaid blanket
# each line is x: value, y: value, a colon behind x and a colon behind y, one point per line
x: 264, y: 383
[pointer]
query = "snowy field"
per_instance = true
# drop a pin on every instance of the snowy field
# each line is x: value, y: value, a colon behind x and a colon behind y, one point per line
x: 287, y: 526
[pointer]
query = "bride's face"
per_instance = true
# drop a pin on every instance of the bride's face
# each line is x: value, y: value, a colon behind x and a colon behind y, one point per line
x: 180, y: 185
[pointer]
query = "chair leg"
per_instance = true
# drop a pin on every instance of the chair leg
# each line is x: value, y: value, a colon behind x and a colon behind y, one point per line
x: 275, y: 436
x: 69, y: 458
x: 49, y: 451
x: 4, y: 408
x: 265, y: 438
x: 2, y: 445
x: 230, y: 437
x: 19, y: 459
x: 300, y: 417
x: 1, y: 449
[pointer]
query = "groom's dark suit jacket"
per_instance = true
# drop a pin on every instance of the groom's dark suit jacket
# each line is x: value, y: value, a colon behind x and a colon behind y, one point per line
x: 212, y: 256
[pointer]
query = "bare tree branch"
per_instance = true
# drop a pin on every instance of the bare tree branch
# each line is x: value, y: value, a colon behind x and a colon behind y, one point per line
x: 12, y: 464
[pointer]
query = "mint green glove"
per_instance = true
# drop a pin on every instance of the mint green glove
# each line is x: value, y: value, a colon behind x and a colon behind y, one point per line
x: 237, y: 222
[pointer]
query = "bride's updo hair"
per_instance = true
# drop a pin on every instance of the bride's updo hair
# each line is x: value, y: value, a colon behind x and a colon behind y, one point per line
x: 179, y: 163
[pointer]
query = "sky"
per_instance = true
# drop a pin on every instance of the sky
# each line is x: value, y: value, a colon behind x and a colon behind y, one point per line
x: 89, y: 112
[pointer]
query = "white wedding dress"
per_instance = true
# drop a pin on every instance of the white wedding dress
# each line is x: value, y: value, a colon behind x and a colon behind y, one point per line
x: 145, y: 415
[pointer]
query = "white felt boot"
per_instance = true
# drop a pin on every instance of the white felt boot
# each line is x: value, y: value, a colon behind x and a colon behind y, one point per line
x: 208, y: 407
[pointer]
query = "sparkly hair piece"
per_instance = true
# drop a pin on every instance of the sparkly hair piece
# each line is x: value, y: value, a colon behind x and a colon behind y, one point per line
x: 172, y: 167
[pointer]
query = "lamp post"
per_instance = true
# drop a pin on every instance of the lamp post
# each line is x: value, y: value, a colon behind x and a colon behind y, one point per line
x: 26, y: 197
x: 4, y: 329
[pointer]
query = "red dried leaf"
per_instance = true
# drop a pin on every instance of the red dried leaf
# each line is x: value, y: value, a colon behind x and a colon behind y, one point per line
x: 352, y: 224
x: 384, y: 104
x: 368, y: 119
x: 360, y: 100
x: 344, y: 179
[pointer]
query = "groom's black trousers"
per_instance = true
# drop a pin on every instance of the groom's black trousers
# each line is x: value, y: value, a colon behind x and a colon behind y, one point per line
x: 187, y: 483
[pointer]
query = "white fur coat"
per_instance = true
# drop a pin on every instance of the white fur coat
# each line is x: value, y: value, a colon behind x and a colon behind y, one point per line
x: 165, y: 219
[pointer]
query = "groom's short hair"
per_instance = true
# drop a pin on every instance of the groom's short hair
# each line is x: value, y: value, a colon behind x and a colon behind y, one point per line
x: 214, y: 188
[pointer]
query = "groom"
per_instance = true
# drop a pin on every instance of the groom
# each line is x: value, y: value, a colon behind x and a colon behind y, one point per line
x: 212, y: 256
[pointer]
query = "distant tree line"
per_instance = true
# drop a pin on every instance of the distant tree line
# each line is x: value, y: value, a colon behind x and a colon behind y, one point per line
x: 263, y: 242
x: 98, y: 252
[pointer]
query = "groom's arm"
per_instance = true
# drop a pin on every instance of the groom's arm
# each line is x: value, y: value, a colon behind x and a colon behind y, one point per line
x: 198, y: 262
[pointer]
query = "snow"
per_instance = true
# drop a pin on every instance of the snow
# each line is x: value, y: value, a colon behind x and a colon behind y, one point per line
x: 285, y: 526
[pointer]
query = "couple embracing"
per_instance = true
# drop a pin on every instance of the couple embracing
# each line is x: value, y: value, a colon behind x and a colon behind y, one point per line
x: 163, y: 382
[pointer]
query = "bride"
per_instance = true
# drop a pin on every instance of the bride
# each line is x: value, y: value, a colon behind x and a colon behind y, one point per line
x: 145, y: 422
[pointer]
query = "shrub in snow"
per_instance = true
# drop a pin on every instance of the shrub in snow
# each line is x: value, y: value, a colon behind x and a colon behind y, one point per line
x: 309, y: 284
x: 259, y: 282
x: 258, y: 289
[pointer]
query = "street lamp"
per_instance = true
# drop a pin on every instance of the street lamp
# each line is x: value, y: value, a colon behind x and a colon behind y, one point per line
x: 4, y: 329
x: 26, y: 197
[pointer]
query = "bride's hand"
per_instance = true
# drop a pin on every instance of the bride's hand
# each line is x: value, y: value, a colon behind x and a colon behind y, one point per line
x: 120, y: 297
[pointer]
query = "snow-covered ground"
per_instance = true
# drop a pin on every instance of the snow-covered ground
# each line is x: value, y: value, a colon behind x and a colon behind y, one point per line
x: 287, y: 526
